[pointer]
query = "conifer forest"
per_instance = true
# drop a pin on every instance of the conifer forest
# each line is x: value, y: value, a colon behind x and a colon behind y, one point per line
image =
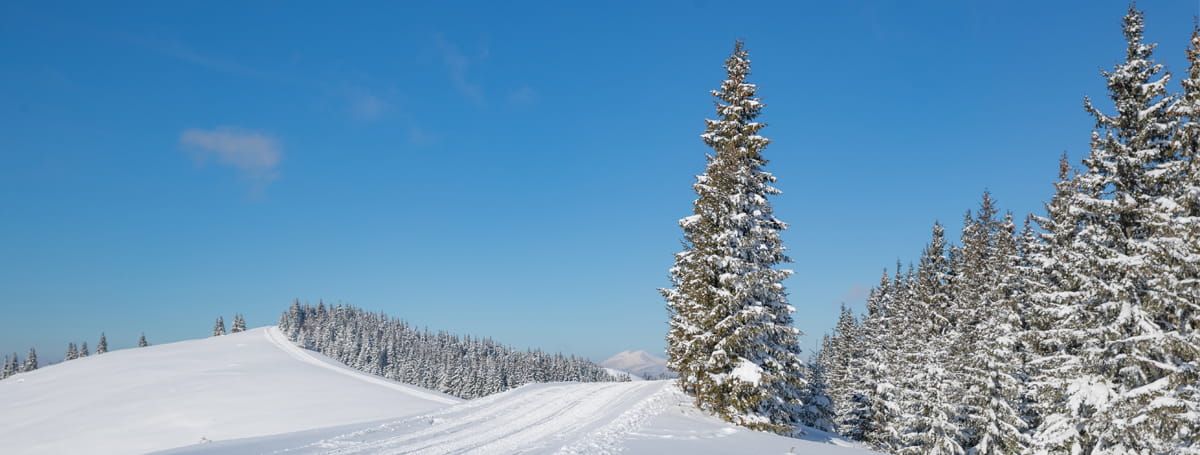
x: 1072, y: 331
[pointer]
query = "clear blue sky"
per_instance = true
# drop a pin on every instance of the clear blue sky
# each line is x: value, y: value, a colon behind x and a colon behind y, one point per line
x: 506, y: 170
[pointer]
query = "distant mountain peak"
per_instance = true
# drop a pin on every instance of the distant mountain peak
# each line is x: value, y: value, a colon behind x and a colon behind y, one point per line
x: 640, y: 363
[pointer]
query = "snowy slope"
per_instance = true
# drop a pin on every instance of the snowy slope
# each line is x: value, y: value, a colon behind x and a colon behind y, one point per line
x: 241, y: 385
x: 648, y: 417
x: 640, y: 363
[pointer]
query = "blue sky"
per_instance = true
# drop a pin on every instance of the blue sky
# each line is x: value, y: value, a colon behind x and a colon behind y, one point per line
x: 506, y: 170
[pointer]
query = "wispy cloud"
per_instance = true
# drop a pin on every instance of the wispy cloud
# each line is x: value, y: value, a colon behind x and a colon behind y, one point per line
x: 255, y: 156
x: 523, y: 96
x: 180, y: 51
x: 367, y: 106
x: 457, y: 65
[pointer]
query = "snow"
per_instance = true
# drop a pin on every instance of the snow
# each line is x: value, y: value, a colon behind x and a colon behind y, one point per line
x: 248, y: 384
x: 647, y: 417
x: 638, y: 363
x: 747, y: 371
x: 255, y: 392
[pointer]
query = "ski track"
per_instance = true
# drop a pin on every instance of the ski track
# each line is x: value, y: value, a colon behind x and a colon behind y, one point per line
x: 541, y: 421
x: 278, y: 339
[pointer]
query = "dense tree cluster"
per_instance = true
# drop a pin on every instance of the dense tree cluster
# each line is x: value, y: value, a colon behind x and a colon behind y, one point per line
x: 1076, y: 334
x: 13, y: 364
x: 465, y: 367
x: 730, y: 338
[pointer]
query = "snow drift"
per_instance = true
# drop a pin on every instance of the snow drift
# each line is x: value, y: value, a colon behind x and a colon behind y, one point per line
x: 138, y: 400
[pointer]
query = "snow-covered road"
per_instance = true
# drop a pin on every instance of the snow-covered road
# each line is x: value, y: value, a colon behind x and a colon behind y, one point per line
x: 651, y: 417
x: 541, y: 418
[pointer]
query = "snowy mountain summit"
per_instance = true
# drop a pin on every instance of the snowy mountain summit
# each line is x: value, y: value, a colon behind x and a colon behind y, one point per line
x: 640, y: 363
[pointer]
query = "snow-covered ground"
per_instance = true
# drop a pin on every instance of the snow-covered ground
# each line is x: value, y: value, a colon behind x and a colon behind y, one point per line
x: 138, y: 400
x: 255, y: 392
x: 646, y: 417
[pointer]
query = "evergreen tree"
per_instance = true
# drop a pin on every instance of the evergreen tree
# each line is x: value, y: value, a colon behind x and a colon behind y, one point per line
x: 219, y: 327
x: 7, y: 370
x: 31, y: 361
x: 983, y: 359
x: 72, y: 352
x: 928, y: 323
x: 14, y: 364
x: 239, y: 324
x: 835, y: 361
x: 142, y: 341
x: 1059, y: 327
x: 1128, y: 290
x: 876, y: 415
x: 83, y: 350
x: 1182, y: 396
x: 102, y: 346
x: 730, y: 334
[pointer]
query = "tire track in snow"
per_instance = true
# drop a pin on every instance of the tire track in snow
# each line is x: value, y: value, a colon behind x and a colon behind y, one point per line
x: 278, y: 339
x: 544, y: 419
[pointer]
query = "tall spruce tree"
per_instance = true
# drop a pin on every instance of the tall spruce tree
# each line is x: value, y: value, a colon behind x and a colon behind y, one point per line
x: 983, y: 358
x: 142, y: 341
x: 730, y: 335
x: 102, y: 346
x: 928, y: 324
x: 83, y: 350
x: 838, y: 352
x: 1128, y: 290
x: 874, y: 416
x: 1059, y: 331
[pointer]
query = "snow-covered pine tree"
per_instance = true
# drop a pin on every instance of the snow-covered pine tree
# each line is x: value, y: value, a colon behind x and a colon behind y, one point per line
x: 982, y: 360
x: 142, y: 341
x: 239, y: 323
x: 14, y: 364
x: 31, y: 361
x: 838, y: 352
x: 931, y: 417
x: 1127, y: 291
x: 9, y: 366
x: 72, y: 352
x: 730, y: 335
x: 1183, y: 393
x: 873, y: 415
x: 1059, y: 332
x: 83, y: 350
x: 102, y: 346
x: 219, y: 327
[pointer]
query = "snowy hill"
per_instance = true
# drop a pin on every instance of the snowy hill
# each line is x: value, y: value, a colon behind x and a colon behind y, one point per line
x: 640, y: 363
x: 255, y: 392
x: 647, y: 417
x: 253, y: 383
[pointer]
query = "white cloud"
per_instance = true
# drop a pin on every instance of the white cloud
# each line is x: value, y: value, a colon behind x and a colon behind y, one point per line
x: 457, y: 66
x: 367, y: 106
x: 522, y: 96
x: 254, y: 155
